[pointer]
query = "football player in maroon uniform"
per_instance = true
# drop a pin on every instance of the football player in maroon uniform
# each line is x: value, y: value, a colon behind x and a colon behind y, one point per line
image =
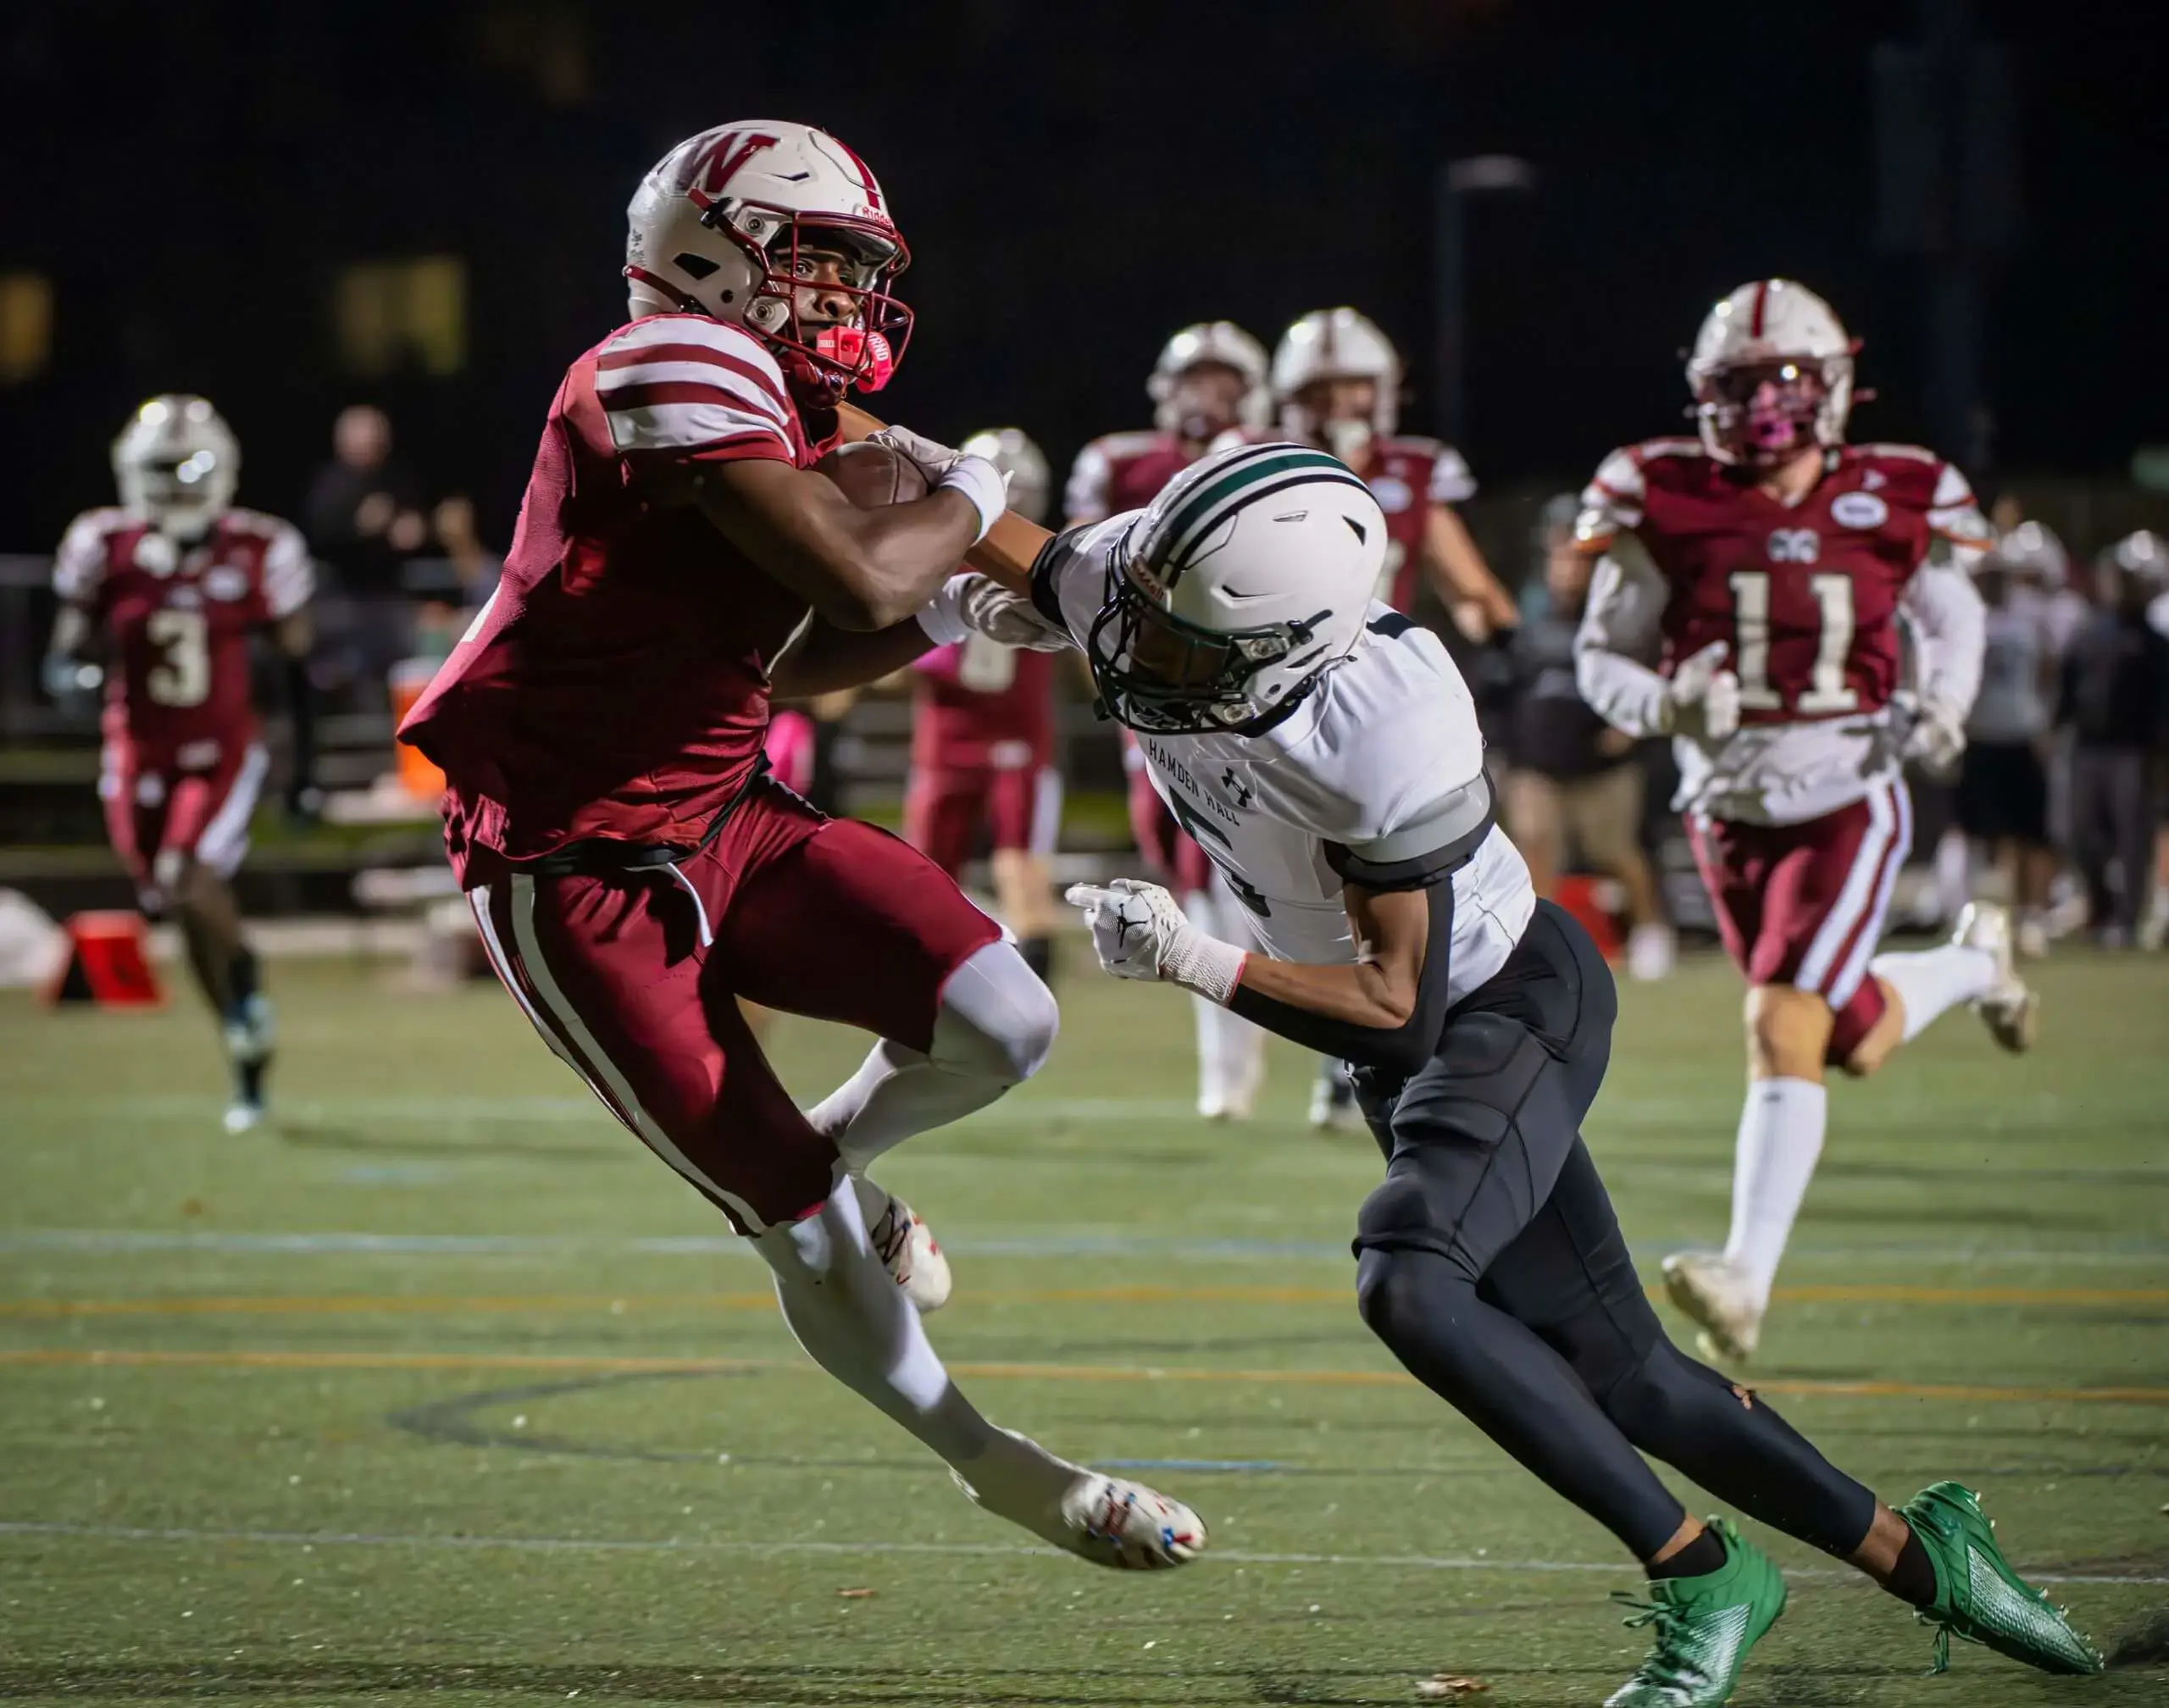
x: 983, y: 742
x: 171, y: 584
x: 1746, y: 604
x: 1210, y: 381
x: 632, y: 870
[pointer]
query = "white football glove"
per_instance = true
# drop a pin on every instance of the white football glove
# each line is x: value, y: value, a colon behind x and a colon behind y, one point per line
x: 1934, y: 737
x: 975, y: 604
x: 1139, y: 932
x: 975, y: 477
x: 1701, y: 701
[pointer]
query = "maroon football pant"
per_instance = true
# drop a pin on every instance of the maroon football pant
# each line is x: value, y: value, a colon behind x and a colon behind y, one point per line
x: 1804, y: 905
x: 945, y: 811
x: 634, y: 978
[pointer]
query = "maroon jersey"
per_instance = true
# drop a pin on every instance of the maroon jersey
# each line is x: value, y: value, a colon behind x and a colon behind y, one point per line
x: 982, y: 706
x: 1123, y: 471
x: 1407, y: 477
x: 178, y: 619
x: 1806, y: 596
x: 616, y: 684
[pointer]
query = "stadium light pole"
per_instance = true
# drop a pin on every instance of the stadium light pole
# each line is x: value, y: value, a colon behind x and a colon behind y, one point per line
x: 1455, y: 181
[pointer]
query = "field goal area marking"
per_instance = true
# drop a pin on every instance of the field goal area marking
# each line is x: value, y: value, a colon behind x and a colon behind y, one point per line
x: 31, y: 1529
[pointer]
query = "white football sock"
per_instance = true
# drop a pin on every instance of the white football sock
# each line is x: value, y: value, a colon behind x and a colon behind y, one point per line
x: 1780, y: 1138
x: 995, y: 1024
x: 1241, y: 1045
x: 1954, y: 873
x: 855, y: 1323
x: 1214, y: 1086
x: 1930, y: 980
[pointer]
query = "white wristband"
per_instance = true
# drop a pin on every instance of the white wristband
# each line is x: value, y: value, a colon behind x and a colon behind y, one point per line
x: 981, y: 482
x: 1204, y: 965
x: 942, y: 616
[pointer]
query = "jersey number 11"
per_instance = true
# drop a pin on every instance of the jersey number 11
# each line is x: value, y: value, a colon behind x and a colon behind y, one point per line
x: 1826, y: 692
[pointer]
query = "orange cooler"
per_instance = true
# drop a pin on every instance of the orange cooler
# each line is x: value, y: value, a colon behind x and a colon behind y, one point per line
x: 416, y: 775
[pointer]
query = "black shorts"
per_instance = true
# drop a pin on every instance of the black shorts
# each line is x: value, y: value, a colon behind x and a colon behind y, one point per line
x: 2003, y: 793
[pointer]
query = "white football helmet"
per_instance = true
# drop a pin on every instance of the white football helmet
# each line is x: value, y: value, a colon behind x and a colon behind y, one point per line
x: 1336, y: 344
x: 1023, y: 465
x: 1249, y: 576
x: 2030, y: 553
x: 177, y: 464
x: 1771, y: 371
x: 717, y: 226
x: 1218, y: 343
x: 2143, y: 556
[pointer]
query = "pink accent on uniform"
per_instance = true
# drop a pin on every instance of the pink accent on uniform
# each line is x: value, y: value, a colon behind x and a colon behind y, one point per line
x: 788, y: 745
x: 867, y: 354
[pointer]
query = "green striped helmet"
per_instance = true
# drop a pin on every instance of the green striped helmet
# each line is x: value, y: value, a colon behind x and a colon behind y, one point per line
x: 1249, y: 575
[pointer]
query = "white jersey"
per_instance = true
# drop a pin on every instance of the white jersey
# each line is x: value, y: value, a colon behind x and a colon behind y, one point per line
x: 2017, y: 652
x: 1384, y: 741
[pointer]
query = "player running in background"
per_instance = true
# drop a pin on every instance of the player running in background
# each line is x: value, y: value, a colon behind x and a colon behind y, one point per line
x: 1746, y: 604
x: 632, y: 869
x: 983, y: 742
x: 1210, y: 381
x: 170, y: 584
x: 1337, y: 384
x: 1329, y: 752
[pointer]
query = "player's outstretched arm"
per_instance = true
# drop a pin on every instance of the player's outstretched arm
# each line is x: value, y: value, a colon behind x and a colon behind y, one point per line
x: 69, y: 667
x: 1458, y: 570
x: 859, y: 570
x: 1010, y: 547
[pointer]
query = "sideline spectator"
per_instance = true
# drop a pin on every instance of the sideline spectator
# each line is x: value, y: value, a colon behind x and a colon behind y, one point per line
x: 364, y: 511
x: 477, y: 567
x: 2116, y: 699
x: 1576, y: 781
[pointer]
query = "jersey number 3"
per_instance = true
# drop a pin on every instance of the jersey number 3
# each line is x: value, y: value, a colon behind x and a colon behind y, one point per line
x: 182, y: 675
x: 1826, y: 692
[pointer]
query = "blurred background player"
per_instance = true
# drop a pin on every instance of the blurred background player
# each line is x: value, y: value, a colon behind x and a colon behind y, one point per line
x: 631, y: 865
x: 2003, y: 779
x: 2115, y: 698
x: 1210, y: 380
x: 983, y: 742
x: 168, y: 586
x: 1761, y: 569
x: 1575, y: 786
x: 1337, y: 383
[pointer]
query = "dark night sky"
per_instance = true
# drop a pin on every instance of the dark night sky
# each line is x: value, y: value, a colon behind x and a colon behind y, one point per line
x: 1075, y: 181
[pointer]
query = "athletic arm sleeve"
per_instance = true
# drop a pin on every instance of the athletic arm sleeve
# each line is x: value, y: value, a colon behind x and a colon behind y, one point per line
x: 1947, y: 618
x: 1619, y: 632
x: 79, y: 565
x: 289, y: 572
x: 1069, y: 577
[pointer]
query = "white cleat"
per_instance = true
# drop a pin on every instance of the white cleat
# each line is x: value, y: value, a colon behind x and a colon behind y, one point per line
x: 1113, y: 1522
x: 1239, y: 1102
x: 2009, y: 1008
x: 1717, y: 1295
x: 244, y: 1117
x: 1651, y: 951
x: 914, y: 1258
x: 1334, y: 1108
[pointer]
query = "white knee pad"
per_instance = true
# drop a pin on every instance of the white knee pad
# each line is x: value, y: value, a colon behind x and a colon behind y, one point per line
x: 997, y: 1021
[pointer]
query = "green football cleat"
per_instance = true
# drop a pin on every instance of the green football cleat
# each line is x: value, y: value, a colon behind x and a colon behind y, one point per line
x: 1705, y: 1627
x: 1978, y: 1597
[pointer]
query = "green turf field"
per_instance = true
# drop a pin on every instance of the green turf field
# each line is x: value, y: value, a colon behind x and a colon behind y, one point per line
x: 449, y: 1388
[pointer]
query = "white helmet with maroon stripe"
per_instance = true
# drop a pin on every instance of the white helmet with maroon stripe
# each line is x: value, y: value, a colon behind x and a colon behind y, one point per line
x: 177, y: 464
x: 1330, y: 344
x: 1771, y: 372
x: 1209, y: 344
x: 721, y: 225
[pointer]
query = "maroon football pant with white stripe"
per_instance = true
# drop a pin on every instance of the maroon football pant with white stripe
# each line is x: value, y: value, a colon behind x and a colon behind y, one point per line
x: 634, y: 977
x: 1805, y: 904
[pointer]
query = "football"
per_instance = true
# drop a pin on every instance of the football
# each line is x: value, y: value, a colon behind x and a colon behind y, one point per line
x: 871, y: 474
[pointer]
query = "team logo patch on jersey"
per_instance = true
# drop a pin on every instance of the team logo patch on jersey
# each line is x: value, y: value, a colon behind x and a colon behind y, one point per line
x: 1859, y: 510
x: 225, y: 583
x: 155, y: 555
x: 1796, y: 545
x: 1394, y: 494
x: 1242, y: 791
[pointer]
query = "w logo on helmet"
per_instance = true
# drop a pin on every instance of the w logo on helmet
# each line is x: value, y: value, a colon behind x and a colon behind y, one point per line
x: 713, y: 169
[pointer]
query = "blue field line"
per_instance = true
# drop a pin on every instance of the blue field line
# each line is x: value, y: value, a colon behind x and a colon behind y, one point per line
x: 1055, y: 1243
x: 31, y: 1529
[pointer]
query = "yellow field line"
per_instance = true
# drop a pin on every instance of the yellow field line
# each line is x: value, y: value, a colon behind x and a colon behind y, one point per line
x: 363, y: 1304
x: 604, y: 1364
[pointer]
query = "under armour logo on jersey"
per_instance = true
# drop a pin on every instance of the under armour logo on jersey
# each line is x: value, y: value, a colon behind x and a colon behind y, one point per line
x: 1794, y: 546
x: 1242, y: 791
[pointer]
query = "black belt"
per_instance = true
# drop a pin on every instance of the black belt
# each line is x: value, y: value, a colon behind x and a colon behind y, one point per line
x: 600, y: 855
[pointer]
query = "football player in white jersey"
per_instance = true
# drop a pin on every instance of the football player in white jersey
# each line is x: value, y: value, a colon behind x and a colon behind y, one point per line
x: 1324, y: 751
